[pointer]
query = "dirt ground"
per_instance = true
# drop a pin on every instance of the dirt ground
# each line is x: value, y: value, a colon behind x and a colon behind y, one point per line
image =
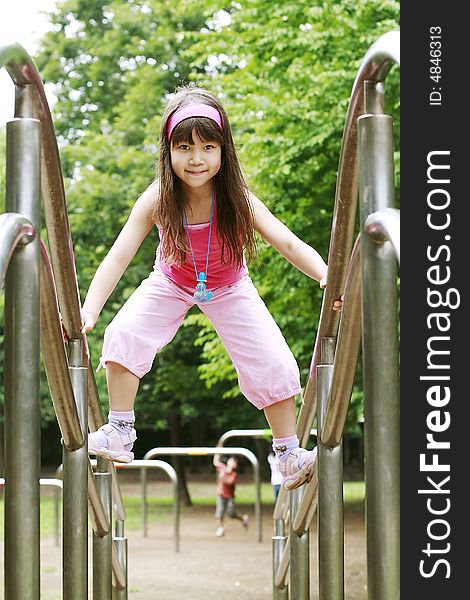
x: 234, y: 567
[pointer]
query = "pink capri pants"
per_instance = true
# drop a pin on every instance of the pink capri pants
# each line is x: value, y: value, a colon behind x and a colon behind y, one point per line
x: 266, y: 368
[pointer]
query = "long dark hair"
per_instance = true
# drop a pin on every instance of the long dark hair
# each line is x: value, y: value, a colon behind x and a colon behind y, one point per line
x: 235, y: 220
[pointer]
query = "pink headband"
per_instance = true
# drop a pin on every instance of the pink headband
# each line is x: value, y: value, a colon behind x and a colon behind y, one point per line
x: 193, y: 110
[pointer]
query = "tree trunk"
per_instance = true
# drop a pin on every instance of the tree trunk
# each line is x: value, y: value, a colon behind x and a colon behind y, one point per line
x: 177, y: 462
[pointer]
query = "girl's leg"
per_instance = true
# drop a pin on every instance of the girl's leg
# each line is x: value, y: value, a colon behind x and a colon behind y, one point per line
x: 281, y: 417
x: 268, y: 374
x: 144, y: 325
x: 115, y: 439
x: 122, y: 387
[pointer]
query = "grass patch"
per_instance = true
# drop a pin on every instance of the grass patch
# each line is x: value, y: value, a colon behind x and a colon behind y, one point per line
x: 47, y: 517
x: 160, y: 509
x: 354, y: 492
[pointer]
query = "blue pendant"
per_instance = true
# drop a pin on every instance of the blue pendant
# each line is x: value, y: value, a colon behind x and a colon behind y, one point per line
x: 201, y: 294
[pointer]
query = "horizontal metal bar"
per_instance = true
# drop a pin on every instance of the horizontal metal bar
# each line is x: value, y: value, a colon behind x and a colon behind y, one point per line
x: 57, y: 483
x: 263, y: 433
x: 15, y: 230
x: 384, y: 225
x: 200, y: 451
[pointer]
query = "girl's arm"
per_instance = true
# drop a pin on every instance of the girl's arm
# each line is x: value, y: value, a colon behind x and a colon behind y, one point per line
x: 119, y: 256
x: 292, y: 248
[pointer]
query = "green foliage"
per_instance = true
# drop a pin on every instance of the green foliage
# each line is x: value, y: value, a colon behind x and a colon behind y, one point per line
x: 284, y: 71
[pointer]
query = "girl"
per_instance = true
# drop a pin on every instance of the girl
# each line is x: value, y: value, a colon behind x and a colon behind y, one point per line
x: 206, y: 218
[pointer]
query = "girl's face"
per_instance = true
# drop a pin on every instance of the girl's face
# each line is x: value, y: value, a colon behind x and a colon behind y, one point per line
x: 195, y: 164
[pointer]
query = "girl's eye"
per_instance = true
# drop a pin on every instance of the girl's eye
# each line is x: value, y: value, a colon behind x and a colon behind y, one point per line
x: 209, y: 147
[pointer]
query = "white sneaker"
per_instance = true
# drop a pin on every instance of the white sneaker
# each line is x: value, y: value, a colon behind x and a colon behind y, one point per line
x: 114, y: 449
x: 293, y: 476
x: 220, y: 532
x: 245, y: 520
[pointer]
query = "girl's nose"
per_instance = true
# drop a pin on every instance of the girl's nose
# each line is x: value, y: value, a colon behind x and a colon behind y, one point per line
x: 195, y: 159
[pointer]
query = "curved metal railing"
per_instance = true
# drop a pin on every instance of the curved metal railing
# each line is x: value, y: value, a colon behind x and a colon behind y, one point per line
x: 70, y: 376
x: 336, y: 349
x: 15, y: 230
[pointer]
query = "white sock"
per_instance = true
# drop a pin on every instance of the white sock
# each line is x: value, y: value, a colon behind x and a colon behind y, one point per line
x: 283, y: 446
x: 123, y: 423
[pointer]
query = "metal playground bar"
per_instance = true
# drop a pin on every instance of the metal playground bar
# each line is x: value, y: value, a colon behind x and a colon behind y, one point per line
x: 366, y: 272
x: 38, y: 286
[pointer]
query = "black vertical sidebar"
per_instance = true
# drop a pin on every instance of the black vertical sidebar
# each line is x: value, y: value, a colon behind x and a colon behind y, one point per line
x: 434, y: 333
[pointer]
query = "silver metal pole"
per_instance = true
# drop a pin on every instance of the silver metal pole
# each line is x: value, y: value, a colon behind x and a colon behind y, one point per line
x: 330, y: 493
x: 22, y: 412
x: 176, y: 512
x: 120, y: 543
x: 56, y: 515
x: 299, y: 554
x: 380, y: 365
x: 102, y: 546
x: 143, y: 487
x: 258, y: 500
x: 279, y: 544
x: 75, y: 491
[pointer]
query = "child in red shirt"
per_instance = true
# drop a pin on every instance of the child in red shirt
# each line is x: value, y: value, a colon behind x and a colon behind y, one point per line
x: 227, y: 481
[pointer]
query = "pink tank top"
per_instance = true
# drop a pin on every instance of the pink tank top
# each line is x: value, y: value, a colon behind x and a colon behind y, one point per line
x: 218, y: 274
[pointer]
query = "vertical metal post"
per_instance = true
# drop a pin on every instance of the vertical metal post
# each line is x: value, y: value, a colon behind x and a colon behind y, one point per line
x: 75, y: 490
x: 121, y: 546
x: 102, y: 546
x: 143, y: 487
x: 258, y: 500
x: 176, y: 513
x: 279, y: 544
x: 57, y: 493
x: 22, y: 409
x: 380, y: 363
x: 330, y: 493
x: 299, y: 582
